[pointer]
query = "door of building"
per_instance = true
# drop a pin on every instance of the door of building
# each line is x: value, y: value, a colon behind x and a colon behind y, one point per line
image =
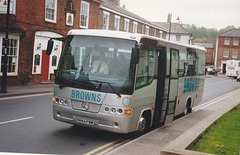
x: 45, y: 66
x: 224, y: 68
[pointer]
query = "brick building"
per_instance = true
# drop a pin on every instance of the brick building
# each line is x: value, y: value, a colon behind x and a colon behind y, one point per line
x: 227, y: 48
x: 34, y: 22
x: 114, y: 17
x: 31, y: 24
x: 209, y: 47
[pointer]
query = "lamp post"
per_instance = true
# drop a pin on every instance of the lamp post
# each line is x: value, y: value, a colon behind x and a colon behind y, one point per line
x: 5, y: 52
x: 169, y: 20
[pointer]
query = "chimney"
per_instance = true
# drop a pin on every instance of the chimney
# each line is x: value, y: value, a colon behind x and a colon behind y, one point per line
x: 116, y: 2
x: 169, y: 19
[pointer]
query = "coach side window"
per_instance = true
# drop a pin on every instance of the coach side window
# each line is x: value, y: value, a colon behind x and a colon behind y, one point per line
x: 192, y: 63
x: 146, y: 67
x: 183, y: 64
x: 201, y: 64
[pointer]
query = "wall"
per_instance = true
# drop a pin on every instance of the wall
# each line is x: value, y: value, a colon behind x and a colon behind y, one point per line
x: 221, y: 47
x: 30, y: 18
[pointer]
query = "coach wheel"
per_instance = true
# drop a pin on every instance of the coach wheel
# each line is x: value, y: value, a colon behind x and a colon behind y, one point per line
x: 142, y: 124
x: 187, y: 108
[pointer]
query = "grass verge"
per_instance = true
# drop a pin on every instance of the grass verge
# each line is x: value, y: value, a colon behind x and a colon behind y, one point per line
x: 223, y: 137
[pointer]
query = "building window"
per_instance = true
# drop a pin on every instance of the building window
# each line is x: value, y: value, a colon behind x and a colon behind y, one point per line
x: 227, y: 41
x: 178, y: 37
x: 117, y: 23
x: 12, y: 61
x: 147, y: 30
x: 235, y: 42
x: 84, y: 17
x: 37, y: 60
x: 126, y: 25
x: 235, y: 54
x: 161, y: 34
x: 106, y: 20
x: 3, y: 7
x: 135, y: 26
x: 226, y: 53
x: 54, y: 60
x: 51, y: 10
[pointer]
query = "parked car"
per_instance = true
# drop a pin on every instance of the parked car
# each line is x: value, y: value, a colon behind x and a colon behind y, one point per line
x: 211, y: 71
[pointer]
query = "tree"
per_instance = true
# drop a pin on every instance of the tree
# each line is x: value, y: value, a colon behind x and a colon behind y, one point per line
x: 203, y: 33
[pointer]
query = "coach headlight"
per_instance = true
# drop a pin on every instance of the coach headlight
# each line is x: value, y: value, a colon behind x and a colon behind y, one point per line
x: 56, y: 100
x: 65, y: 102
x: 61, y: 101
x: 113, y: 110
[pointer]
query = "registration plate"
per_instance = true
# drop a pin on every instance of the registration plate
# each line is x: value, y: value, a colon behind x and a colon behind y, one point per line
x: 84, y: 121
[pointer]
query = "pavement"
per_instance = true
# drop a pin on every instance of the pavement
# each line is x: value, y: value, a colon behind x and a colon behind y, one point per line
x: 166, y: 140
x: 27, y: 90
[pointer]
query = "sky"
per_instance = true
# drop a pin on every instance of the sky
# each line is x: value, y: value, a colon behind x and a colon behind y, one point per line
x: 203, y: 13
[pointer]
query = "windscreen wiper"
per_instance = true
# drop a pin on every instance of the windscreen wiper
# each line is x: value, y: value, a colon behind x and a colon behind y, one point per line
x: 109, y: 85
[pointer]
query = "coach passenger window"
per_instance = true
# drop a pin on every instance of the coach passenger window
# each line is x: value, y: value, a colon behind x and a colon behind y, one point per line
x: 192, y: 62
x: 183, y: 64
x: 201, y: 63
x: 174, y: 64
x: 146, y: 66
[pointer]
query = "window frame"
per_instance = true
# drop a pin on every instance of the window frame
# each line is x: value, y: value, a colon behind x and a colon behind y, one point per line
x: 147, y: 30
x: 135, y: 27
x: 225, y: 55
x: 117, y: 23
x: 55, y: 12
x: 235, y: 51
x: 161, y: 34
x: 142, y: 28
x: 126, y: 24
x: 107, y: 15
x: 85, y: 14
x: 3, y: 8
x: 227, y: 41
x: 178, y: 38
x: 17, y: 38
x: 235, y: 41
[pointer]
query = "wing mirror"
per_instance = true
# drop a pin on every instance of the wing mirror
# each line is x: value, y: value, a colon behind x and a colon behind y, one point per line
x: 135, y: 55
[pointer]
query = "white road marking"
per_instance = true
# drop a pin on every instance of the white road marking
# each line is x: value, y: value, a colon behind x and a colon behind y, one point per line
x: 24, y: 96
x: 16, y: 120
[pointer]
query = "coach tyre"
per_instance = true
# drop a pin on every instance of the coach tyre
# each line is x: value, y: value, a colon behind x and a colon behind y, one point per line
x: 143, y: 124
x: 188, y: 107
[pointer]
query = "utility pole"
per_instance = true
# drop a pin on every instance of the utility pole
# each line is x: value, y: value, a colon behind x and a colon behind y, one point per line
x: 5, y: 52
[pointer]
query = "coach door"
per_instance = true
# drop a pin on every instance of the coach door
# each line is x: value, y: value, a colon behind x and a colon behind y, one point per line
x: 172, y: 85
x: 161, y: 97
x: 167, y: 85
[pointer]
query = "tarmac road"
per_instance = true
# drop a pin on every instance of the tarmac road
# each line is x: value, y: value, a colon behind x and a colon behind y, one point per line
x: 216, y: 86
x: 27, y: 126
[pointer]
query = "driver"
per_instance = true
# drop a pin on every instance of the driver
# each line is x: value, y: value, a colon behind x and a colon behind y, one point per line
x: 100, y: 66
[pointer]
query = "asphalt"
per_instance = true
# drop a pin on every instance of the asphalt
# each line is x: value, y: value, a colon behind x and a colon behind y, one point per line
x: 166, y: 140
